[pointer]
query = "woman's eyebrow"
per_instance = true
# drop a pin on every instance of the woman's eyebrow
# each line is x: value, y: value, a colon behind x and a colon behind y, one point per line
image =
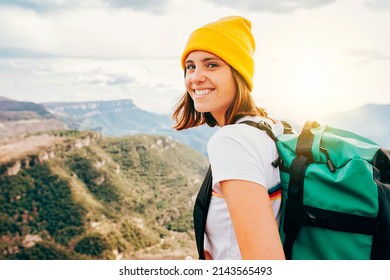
x: 209, y: 58
x: 203, y: 59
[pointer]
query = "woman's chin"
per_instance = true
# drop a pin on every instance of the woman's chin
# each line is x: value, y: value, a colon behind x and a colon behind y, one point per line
x: 202, y: 109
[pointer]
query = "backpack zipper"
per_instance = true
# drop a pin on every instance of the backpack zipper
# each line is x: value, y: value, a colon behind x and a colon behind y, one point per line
x: 329, y: 162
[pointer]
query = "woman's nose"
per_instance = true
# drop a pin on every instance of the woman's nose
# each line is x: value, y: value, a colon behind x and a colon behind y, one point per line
x: 198, y: 76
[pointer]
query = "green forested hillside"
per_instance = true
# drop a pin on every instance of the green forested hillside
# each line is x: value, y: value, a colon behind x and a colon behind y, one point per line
x: 100, y: 198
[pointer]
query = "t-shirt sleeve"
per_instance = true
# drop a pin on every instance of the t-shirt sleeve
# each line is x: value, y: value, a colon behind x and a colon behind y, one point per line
x: 232, y: 157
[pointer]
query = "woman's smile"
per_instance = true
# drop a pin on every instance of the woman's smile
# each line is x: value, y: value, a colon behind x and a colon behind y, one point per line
x: 202, y: 92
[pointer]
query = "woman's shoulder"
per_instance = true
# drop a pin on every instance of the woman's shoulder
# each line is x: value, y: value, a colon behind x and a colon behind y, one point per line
x: 275, y: 125
x: 241, y: 129
x: 228, y: 132
x: 243, y: 134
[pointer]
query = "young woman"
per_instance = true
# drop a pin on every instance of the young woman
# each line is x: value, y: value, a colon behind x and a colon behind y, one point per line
x: 242, y: 221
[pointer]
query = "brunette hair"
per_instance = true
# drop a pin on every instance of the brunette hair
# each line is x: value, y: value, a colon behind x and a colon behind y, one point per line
x: 243, y: 105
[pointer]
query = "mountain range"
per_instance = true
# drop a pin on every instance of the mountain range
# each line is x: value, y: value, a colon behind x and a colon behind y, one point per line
x: 122, y: 117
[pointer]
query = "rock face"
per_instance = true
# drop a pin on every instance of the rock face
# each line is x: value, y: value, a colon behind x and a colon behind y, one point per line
x: 25, y: 152
x: 30, y: 240
x: 14, y: 169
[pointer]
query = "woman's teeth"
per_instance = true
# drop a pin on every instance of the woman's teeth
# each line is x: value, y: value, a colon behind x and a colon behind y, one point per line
x: 202, y: 92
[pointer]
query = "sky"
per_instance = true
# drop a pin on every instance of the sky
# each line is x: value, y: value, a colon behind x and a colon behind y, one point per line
x: 313, y: 57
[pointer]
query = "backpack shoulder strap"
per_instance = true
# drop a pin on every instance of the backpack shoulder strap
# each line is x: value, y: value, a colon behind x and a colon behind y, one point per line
x: 263, y: 126
x: 287, y: 128
x: 200, y: 211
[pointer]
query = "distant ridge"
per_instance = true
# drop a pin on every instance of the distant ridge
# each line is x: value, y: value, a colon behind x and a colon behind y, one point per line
x: 122, y: 117
x: 2, y: 98
x: 371, y: 121
x: 113, y: 118
x: 18, y: 118
x: 85, y: 104
x: 16, y: 110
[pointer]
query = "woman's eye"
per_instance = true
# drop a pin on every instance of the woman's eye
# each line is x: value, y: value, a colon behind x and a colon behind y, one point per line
x: 212, y: 65
x: 190, y: 67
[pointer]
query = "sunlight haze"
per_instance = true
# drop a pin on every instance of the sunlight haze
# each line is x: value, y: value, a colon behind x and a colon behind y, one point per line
x: 313, y: 58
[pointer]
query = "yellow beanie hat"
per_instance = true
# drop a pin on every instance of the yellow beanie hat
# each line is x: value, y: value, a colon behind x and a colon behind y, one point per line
x: 231, y: 39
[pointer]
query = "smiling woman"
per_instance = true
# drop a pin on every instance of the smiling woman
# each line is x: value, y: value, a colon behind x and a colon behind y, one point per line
x: 218, y: 72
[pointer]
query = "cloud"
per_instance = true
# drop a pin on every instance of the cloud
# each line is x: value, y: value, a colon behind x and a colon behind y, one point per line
x: 87, y: 33
x: 155, y: 6
x: 22, y: 53
x: 381, y: 5
x: 47, y: 5
x: 274, y: 6
x: 108, y: 80
x: 44, y: 6
x: 368, y: 54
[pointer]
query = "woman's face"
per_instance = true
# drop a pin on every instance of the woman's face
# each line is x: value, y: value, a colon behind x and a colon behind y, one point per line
x: 209, y: 81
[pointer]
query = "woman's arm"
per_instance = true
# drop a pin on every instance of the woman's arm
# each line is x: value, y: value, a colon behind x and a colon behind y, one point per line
x: 253, y: 220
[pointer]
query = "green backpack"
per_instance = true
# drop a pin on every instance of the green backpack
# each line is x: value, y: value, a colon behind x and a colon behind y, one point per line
x: 335, y: 195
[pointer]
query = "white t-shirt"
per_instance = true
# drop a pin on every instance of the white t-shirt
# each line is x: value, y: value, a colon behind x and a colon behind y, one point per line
x: 240, y: 152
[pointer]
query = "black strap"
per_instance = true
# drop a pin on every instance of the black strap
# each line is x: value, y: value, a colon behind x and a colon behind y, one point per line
x: 263, y: 126
x: 295, y: 215
x: 305, y: 140
x: 200, y: 211
x: 339, y: 221
x: 288, y: 129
